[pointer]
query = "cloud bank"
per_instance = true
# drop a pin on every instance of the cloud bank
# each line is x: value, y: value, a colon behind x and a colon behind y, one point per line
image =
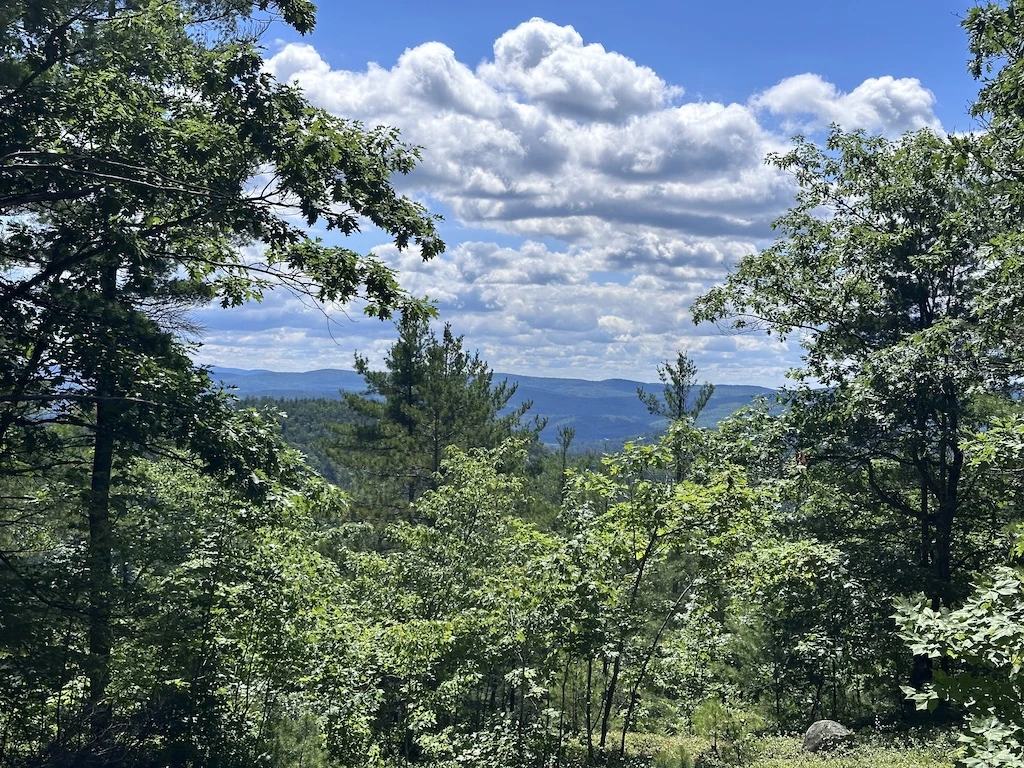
x: 623, y: 200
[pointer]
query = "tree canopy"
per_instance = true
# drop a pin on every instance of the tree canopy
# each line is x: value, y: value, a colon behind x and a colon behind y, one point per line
x: 148, y: 165
x: 883, y: 270
x: 178, y: 588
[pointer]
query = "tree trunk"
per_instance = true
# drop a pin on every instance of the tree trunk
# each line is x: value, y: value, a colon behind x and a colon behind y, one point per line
x: 100, y: 572
x: 634, y: 691
x: 621, y: 645
x: 561, y: 714
x: 606, y: 715
x: 100, y: 544
x: 101, y: 534
x: 944, y: 546
x: 952, y: 458
x: 926, y: 534
x: 589, y: 713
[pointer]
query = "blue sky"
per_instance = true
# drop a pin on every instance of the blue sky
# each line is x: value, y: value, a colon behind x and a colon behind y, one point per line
x: 598, y: 164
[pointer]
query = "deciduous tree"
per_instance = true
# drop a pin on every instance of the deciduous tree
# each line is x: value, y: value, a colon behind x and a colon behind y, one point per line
x: 882, y: 271
x: 148, y: 164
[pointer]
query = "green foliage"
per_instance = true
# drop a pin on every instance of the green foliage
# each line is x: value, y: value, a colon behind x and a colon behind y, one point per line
x: 678, y: 401
x: 875, y: 751
x: 298, y: 743
x: 463, y: 658
x: 994, y: 33
x: 661, y: 542
x: 985, y: 638
x: 898, y: 271
x: 145, y: 159
x: 679, y: 757
x: 887, y: 295
x: 176, y: 588
x: 305, y: 426
x: 432, y: 396
x: 730, y: 728
x: 228, y: 624
x: 820, y: 631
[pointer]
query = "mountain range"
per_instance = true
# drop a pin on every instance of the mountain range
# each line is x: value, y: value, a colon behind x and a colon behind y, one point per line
x: 607, y: 411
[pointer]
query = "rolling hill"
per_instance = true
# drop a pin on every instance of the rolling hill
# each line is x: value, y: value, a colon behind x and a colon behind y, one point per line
x: 601, y: 411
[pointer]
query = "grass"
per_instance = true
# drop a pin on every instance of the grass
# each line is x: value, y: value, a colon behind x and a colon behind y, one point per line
x: 870, y: 750
x: 867, y: 752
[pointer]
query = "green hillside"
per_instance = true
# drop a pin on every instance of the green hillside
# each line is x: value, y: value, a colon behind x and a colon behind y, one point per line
x: 602, y: 412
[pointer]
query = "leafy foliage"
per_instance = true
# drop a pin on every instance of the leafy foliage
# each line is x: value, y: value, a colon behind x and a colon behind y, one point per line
x: 177, y: 588
x: 986, y: 637
x: 148, y: 165
x: 886, y: 293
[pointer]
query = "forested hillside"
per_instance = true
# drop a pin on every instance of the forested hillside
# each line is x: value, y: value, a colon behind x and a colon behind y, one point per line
x: 444, y: 584
x: 604, y: 413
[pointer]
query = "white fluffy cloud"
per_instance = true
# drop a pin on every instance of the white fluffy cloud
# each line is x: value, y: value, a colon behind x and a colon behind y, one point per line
x: 623, y: 201
x: 555, y: 138
x: 883, y: 104
x: 549, y: 65
x: 528, y: 309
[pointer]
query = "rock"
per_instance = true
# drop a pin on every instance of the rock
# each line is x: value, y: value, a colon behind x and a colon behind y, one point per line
x: 825, y: 735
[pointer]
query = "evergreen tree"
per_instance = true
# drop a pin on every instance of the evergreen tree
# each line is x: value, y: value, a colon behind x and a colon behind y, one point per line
x: 432, y: 395
x: 130, y: 135
x: 678, y: 403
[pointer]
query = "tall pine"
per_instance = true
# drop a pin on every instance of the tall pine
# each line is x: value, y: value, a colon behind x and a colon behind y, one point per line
x: 432, y: 395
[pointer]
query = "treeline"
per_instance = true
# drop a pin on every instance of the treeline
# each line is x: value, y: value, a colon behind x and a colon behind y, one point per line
x: 305, y: 424
x: 177, y: 588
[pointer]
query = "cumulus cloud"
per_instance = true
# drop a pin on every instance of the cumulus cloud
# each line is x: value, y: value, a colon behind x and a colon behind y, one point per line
x: 554, y: 136
x: 880, y: 104
x: 530, y: 309
x: 622, y: 200
x: 549, y: 65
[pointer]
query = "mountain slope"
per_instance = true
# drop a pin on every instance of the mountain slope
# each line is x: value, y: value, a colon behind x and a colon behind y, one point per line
x: 600, y: 411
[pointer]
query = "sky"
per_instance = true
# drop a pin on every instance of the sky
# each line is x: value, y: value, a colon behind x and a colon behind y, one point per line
x: 598, y: 164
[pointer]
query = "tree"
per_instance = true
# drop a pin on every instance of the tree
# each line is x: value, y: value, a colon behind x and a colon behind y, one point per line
x: 566, y: 434
x: 980, y: 645
x: 678, y: 401
x: 986, y: 636
x: 882, y: 271
x: 433, y: 395
x: 148, y: 164
x: 464, y: 655
x: 649, y: 545
x: 995, y: 31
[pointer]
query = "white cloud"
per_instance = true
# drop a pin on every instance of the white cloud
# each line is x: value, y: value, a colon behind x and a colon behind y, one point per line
x: 880, y: 104
x: 549, y: 65
x: 528, y: 310
x: 553, y: 137
x: 626, y: 202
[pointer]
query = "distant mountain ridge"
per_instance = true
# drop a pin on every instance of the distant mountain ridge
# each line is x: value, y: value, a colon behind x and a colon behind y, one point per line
x: 600, y: 411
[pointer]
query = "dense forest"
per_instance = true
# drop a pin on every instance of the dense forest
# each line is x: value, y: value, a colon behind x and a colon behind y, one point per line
x: 430, y: 584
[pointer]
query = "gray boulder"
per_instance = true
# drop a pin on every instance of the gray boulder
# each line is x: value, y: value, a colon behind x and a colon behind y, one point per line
x: 825, y: 735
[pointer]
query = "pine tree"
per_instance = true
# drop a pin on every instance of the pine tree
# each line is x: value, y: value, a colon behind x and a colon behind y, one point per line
x: 431, y: 396
x: 678, y: 403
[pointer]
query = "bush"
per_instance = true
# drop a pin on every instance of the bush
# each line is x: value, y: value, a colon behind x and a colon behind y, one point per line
x: 730, y: 729
x: 678, y: 757
x: 986, y: 637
